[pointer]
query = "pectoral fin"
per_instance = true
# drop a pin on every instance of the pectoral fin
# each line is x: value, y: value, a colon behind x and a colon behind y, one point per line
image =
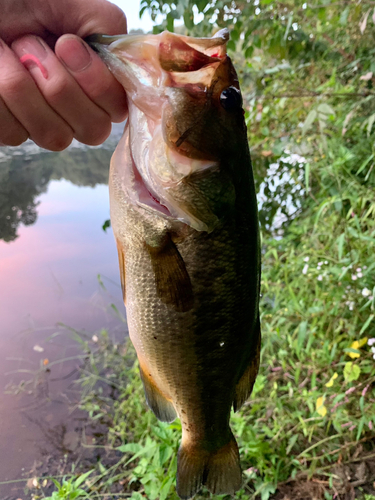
x: 156, y: 400
x: 246, y: 382
x: 172, y: 279
x: 121, y: 260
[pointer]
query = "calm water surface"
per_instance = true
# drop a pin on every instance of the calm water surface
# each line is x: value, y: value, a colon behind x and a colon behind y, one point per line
x: 52, y: 249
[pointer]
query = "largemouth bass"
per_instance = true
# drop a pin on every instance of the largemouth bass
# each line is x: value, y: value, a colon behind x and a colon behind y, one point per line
x: 184, y: 214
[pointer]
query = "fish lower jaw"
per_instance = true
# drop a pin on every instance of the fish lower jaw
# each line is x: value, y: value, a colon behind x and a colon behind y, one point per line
x: 145, y: 198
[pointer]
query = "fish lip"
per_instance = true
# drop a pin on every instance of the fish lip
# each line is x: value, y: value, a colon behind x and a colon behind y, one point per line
x: 97, y: 41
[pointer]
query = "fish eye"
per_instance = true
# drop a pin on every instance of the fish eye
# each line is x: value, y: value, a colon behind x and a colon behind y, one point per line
x: 231, y: 99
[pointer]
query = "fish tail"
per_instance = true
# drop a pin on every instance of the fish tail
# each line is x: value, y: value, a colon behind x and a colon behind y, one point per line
x: 218, y: 470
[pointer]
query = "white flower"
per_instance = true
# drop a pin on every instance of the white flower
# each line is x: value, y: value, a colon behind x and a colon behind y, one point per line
x: 354, y: 277
x: 320, y: 263
x: 359, y: 269
x: 366, y: 292
x: 305, y: 268
x: 350, y: 304
x: 306, y: 259
x: 359, y: 275
x: 371, y: 342
x: 95, y: 338
x: 320, y: 277
x: 326, y: 262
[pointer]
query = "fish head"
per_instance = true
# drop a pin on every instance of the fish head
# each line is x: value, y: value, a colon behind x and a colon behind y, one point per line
x: 185, y: 119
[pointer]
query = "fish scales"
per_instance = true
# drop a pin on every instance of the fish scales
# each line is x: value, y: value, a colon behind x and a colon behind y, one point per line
x: 188, y: 240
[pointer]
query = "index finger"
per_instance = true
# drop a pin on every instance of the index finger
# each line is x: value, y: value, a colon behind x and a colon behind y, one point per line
x: 92, y: 75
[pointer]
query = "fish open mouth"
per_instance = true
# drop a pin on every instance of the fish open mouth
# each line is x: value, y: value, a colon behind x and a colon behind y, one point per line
x: 176, y: 52
x: 153, y: 70
x: 144, y: 64
x: 145, y: 197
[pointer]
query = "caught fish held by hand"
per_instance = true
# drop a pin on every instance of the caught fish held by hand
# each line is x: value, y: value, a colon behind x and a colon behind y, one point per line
x: 184, y: 214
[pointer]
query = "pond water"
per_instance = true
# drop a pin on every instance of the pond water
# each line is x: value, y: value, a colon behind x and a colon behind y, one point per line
x: 52, y: 249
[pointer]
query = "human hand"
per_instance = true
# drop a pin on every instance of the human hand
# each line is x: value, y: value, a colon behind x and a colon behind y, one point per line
x: 54, y: 96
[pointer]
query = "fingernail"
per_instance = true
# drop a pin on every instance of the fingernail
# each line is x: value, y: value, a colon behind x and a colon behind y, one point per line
x: 75, y: 55
x: 31, y: 45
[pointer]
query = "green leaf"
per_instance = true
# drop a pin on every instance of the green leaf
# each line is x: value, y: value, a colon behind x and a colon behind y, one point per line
x: 165, y: 488
x: 106, y: 225
x: 370, y: 123
x: 170, y: 23
x: 189, y: 19
x: 141, y: 12
x: 363, y: 166
x: 326, y: 109
x: 291, y: 443
x: 290, y: 20
x: 366, y: 325
x: 340, y: 245
x: 249, y: 52
x: 351, y: 371
x: 82, y: 478
x: 235, y: 35
x: 130, y: 448
x: 360, y: 427
x: 309, y: 121
x: 231, y: 45
x: 344, y: 16
x: 307, y: 177
x: 136, y: 496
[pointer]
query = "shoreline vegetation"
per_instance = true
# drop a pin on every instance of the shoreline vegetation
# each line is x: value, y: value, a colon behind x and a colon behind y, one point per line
x: 307, y: 432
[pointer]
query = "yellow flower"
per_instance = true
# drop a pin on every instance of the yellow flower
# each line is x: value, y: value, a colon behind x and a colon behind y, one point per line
x: 363, y: 342
x: 320, y: 408
x: 357, y: 344
x: 331, y: 380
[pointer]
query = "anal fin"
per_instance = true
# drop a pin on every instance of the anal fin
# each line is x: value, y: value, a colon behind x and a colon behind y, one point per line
x: 247, y: 380
x: 159, y: 404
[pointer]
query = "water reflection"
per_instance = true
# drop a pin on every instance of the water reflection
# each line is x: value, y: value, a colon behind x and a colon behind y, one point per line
x: 52, y: 248
x: 24, y: 177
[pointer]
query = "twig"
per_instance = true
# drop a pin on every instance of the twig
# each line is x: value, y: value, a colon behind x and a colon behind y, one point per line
x: 348, y: 445
x: 311, y: 93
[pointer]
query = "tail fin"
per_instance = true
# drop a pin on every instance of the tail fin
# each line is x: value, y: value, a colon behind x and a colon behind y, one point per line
x: 218, y: 470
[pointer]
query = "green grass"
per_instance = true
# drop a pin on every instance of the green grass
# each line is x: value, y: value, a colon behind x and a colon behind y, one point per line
x: 313, y: 402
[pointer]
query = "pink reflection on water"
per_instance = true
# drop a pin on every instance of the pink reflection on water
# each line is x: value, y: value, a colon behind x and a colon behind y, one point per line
x: 49, y: 275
